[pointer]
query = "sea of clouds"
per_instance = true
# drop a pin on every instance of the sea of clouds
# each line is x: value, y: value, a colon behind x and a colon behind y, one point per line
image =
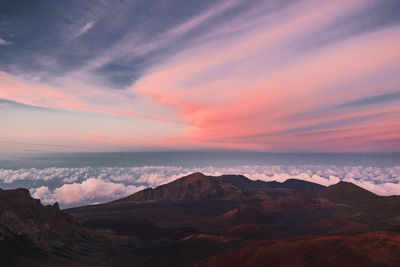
x: 80, y: 186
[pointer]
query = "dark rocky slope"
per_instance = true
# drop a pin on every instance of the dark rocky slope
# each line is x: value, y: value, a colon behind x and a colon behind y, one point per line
x: 32, y: 234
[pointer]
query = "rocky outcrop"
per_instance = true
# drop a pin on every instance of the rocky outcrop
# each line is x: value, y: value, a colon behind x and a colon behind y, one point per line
x: 22, y: 216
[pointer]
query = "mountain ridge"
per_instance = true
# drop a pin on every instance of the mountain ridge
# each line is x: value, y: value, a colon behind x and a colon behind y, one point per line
x: 197, y: 186
x: 347, y: 193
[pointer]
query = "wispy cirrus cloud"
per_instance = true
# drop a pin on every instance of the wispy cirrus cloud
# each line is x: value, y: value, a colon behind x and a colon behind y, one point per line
x: 373, y: 100
x: 85, y: 28
x: 269, y: 76
x: 4, y: 42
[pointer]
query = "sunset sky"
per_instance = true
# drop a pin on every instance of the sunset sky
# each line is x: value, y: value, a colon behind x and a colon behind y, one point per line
x: 179, y: 74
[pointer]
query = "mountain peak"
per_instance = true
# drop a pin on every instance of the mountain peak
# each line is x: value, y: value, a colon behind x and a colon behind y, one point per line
x: 347, y: 193
x: 196, y: 174
x: 194, y: 186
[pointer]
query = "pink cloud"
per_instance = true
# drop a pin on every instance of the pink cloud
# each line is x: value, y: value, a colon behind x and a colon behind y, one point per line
x: 247, y: 86
x: 97, y: 138
x: 4, y: 42
x: 73, y: 94
x: 85, y: 28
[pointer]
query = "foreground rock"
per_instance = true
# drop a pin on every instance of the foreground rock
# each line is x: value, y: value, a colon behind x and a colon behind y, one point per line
x: 32, y: 234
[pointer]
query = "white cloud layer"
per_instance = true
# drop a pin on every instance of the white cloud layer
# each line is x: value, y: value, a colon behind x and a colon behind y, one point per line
x: 91, y: 190
x: 75, y: 186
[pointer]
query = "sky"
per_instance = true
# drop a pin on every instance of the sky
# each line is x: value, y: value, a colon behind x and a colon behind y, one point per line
x: 142, y: 75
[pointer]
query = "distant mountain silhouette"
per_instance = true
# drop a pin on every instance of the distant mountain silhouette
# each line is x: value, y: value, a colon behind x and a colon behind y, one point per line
x: 198, y: 186
x: 379, y: 212
x: 348, y: 193
x: 195, y: 186
x: 308, y: 187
